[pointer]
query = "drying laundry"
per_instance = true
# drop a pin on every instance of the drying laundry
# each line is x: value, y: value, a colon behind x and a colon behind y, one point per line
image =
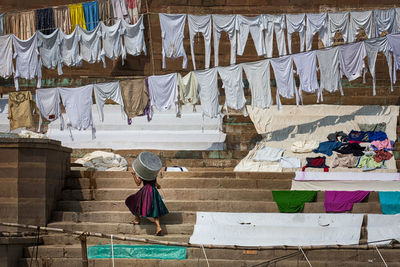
x: 290, y: 162
x: 330, y: 78
x: 338, y: 21
x: 104, y: 91
x: 258, y: 75
x: 368, y: 163
x: 384, y: 21
x: 77, y: 16
x: 275, y: 23
x: 48, y: 102
x: 20, y: 110
x: 45, y: 20
x: 113, y: 47
x: 316, y: 23
x: 135, y: 97
x: 1, y: 24
x: 27, y: 64
x: 21, y: 24
x: 267, y: 153
x: 6, y: 56
x: 306, y: 65
x: 120, y: 10
x: 341, y: 201
x: 352, y: 148
x: 106, y: 13
x: 296, y: 23
x: 304, y: 146
x: 382, y: 155
x: 285, y: 83
x: 90, y: 44
x: 78, y: 106
x: 200, y: 24
x: 254, y: 26
x: 344, y: 161
x: 224, y: 23
x: 70, y: 49
x: 373, y: 127
x: 327, y: 147
x: 163, y: 91
x: 232, y: 82
x: 360, y: 20
x: 359, y: 136
x: 376, y: 136
x: 134, y: 37
x: 208, y: 91
x: 172, y: 34
x: 390, y: 202
x: 91, y: 11
x: 382, y: 145
x: 133, y: 10
x: 293, y: 201
x: 383, y: 228
x: 188, y: 89
x: 62, y: 19
x: 49, y: 45
x: 317, y: 162
x: 394, y: 47
x: 338, y: 136
x: 351, y: 59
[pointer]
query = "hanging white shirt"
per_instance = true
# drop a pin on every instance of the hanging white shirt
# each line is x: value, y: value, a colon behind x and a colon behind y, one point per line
x: 330, y: 78
x: 394, y: 47
x: 254, y: 26
x: 232, y: 82
x: 113, y: 47
x: 104, y: 91
x: 200, y: 24
x: 224, y: 23
x: 258, y: 74
x: 49, y: 46
x: 90, y: 44
x: 172, y: 34
x: 338, y: 21
x: 134, y: 37
x: 306, y: 65
x: 208, y: 91
x: 373, y: 46
x: 70, y: 49
x: 316, y: 23
x: 351, y: 59
x: 284, y: 76
x: 384, y: 21
x: 27, y: 63
x: 163, y: 91
x: 48, y: 103
x: 6, y: 56
x: 275, y: 23
x: 397, y: 20
x: 360, y: 20
x: 188, y: 89
x: 296, y: 23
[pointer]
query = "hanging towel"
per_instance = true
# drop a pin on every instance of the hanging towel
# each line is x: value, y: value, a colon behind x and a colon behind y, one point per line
x: 164, y: 91
x: 360, y: 20
x: 327, y: 147
x: 338, y: 21
x: 1, y: 24
x: 293, y: 201
x: 6, y: 56
x: 104, y: 91
x: 384, y: 21
x: 284, y: 76
x: 135, y: 97
x: 341, y: 201
x: 306, y: 66
x: 172, y: 34
x: 200, y: 24
x: 390, y: 202
x: 275, y: 23
x: 48, y: 102
x: 113, y: 47
x: 91, y: 11
x: 21, y: 24
x: 120, y: 10
x: 188, y: 89
x: 78, y: 106
x: 77, y: 16
x: 351, y: 60
x: 20, y: 110
x: 133, y: 10
x: 106, y: 13
x: 258, y: 75
x: 50, y: 53
x: 62, y: 19
x: 296, y: 23
x: 134, y: 37
x: 208, y: 92
x: 90, y: 44
x: 224, y: 23
x: 394, y: 47
x: 45, y: 21
x: 232, y: 82
x: 27, y: 63
x: 316, y: 23
x: 254, y: 26
x: 70, y: 49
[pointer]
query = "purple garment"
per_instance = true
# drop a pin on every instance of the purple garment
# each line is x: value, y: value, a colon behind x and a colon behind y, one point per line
x: 141, y: 202
x: 341, y: 201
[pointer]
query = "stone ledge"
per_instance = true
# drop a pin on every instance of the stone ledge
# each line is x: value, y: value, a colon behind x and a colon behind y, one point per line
x: 13, y: 141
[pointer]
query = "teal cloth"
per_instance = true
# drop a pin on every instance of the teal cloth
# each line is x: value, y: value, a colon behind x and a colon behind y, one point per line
x: 158, y: 207
x: 137, y: 252
x: 390, y: 202
x: 293, y: 201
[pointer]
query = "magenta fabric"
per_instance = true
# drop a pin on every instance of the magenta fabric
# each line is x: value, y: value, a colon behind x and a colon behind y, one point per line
x: 341, y: 201
x: 141, y: 202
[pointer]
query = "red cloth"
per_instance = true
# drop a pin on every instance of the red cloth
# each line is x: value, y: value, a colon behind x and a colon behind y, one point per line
x: 382, y: 155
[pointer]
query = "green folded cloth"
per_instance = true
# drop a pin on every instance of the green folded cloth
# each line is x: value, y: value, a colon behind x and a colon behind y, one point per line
x: 293, y: 201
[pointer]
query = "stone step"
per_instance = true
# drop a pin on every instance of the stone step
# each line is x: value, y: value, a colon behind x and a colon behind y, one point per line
x: 221, y: 163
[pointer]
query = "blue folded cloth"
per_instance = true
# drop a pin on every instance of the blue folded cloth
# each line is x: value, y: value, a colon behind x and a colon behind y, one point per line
x: 390, y: 202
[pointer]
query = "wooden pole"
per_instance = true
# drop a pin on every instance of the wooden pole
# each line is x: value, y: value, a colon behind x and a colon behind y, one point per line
x: 83, y: 239
x: 150, y: 37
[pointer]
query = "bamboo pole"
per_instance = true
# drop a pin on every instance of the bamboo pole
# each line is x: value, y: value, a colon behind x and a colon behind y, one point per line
x: 150, y: 37
x: 209, y: 246
x: 83, y: 239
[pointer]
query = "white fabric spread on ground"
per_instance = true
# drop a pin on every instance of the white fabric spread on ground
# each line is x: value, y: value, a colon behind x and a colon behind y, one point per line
x: 346, y: 185
x: 381, y: 227
x: 313, y: 122
x: 346, y: 176
x: 103, y: 161
x: 30, y: 134
x: 275, y: 229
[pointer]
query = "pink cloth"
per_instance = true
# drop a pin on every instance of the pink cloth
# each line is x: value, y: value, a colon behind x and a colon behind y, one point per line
x: 341, y: 201
x: 381, y: 145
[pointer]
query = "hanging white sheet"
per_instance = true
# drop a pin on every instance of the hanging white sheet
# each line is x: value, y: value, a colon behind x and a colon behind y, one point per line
x: 224, y: 23
x: 306, y: 66
x: 48, y: 102
x: 381, y: 227
x: 317, y: 23
x: 70, y: 49
x: 351, y: 60
x: 6, y: 56
x: 338, y: 21
x: 104, y: 91
x: 254, y: 26
x: 275, y: 23
x: 347, y: 176
x: 384, y: 21
x: 296, y: 23
x: 200, y: 24
x: 163, y: 91
x: 360, y: 20
x: 134, y: 37
x: 208, y: 91
x: 90, y: 44
x: 113, y: 47
x: 49, y: 46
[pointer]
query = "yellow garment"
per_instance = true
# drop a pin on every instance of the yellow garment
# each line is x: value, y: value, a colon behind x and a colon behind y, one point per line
x: 77, y: 16
x: 20, y: 109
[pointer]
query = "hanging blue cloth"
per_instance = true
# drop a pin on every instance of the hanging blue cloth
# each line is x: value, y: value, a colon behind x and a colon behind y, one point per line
x: 390, y: 202
x: 91, y: 11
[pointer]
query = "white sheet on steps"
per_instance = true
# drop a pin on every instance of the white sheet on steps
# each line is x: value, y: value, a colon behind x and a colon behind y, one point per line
x: 346, y: 185
x: 346, y: 176
x: 274, y: 229
x: 381, y: 227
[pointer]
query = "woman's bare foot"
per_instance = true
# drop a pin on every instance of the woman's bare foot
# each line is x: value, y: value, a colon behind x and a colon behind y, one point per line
x: 136, y: 221
x: 159, y: 229
x: 159, y: 232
